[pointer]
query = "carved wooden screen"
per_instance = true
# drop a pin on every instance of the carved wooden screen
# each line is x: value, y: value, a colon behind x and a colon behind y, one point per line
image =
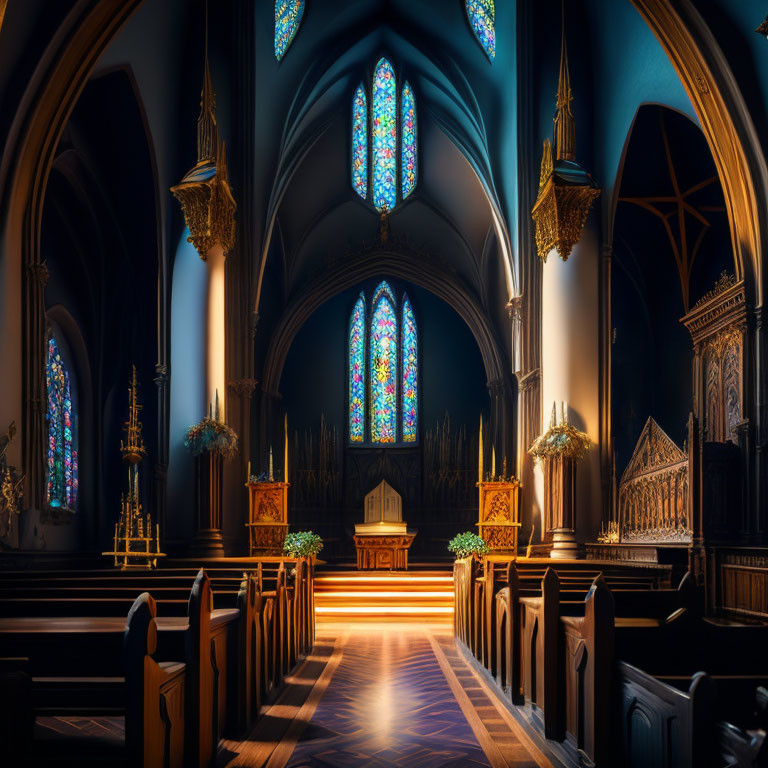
x: 653, y: 494
x: 717, y: 324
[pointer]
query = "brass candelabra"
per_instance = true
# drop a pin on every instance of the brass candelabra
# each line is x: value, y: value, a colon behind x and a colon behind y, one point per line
x: 136, y: 540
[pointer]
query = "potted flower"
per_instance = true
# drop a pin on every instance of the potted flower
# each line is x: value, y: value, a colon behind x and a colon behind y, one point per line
x: 302, y: 544
x: 468, y: 544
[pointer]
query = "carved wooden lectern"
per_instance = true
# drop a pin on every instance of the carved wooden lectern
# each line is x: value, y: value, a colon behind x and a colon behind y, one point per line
x: 267, y: 517
x: 382, y: 541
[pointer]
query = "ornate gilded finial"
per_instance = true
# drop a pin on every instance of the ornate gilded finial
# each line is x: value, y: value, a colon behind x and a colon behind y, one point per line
x: 546, y: 164
x: 204, y: 193
x: 565, y: 126
x: 207, y: 130
x: 133, y: 449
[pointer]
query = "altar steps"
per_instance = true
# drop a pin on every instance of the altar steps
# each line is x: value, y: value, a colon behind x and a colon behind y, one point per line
x: 370, y: 595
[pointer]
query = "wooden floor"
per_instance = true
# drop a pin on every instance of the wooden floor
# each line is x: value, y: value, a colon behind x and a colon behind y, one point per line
x: 378, y: 695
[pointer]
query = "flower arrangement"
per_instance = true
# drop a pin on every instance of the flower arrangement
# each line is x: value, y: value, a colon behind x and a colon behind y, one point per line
x: 212, y: 435
x: 467, y: 544
x: 302, y: 544
x: 561, y: 439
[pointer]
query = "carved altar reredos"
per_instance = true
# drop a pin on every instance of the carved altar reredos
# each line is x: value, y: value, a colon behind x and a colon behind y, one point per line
x: 653, y: 493
x: 383, y: 511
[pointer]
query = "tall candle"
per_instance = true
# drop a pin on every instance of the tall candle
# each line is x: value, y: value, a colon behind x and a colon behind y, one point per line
x: 248, y: 476
x: 271, y: 467
x: 480, y: 452
x: 285, y: 457
x: 493, y: 462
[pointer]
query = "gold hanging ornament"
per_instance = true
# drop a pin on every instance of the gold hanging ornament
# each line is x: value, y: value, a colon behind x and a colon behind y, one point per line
x: 204, y: 193
x: 566, y: 190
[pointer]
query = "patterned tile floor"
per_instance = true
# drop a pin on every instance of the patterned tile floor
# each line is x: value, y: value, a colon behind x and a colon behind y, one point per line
x: 388, y: 696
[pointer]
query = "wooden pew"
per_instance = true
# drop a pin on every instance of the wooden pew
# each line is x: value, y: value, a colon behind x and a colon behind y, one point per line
x: 108, y: 666
x: 588, y: 660
x: 540, y: 630
x: 154, y: 713
x: 17, y: 718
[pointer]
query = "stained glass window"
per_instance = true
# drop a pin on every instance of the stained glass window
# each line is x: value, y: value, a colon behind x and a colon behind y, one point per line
x: 408, y: 141
x: 384, y: 136
x: 62, y: 432
x: 482, y: 17
x: 357, y: 372
x: 410, y: 355
x: 288, y: 15
x: 360, y: 142
x: 389, y: 386
x: 383, y: 368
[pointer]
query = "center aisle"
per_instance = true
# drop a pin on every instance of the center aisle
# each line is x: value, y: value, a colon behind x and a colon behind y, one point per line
x: 384, y: 695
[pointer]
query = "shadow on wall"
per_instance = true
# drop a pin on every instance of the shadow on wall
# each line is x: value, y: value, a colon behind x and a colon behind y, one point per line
x: 187, y: 383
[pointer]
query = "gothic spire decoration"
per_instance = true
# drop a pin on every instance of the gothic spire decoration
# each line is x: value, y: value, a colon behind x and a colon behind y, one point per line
x: 204, y: 193
x: 565, y: 126
x: 566, y: 190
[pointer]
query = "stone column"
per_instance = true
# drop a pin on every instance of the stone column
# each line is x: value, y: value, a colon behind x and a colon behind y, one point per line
x: 570, y: 363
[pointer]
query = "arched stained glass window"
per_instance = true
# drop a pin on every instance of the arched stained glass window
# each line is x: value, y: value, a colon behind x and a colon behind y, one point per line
x: 387, y: 117
x: 389, y: 386
x: 482, y: 17
x: 383, y: 290
x: 62, y: 432
x: 360, y: 142
x: 410, y: 355
x: 288, y: 14
x: 357, y: 372
x: 408, y: 141
x: 384, y: 136
x: 383, y: 369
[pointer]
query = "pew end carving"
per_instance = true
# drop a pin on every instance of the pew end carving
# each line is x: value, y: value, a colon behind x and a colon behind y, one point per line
x: 154, y: 716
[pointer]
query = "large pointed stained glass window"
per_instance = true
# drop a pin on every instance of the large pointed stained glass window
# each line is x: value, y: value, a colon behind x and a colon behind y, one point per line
x: 62, y: 432
x: 391, y: 177
x: 482, y: 18
x: 288, y: 14
x: 408, y: 141
x: 383, y: 368
x: 410, y: 355
x: 383, y: 395
x: 384, y: 136
x: 357, y: 372
x: 360, y: 142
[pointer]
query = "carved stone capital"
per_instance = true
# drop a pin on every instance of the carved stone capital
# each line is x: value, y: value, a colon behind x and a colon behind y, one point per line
x: 515, y: 307
x: 39, y: 273
x: 243, y: 388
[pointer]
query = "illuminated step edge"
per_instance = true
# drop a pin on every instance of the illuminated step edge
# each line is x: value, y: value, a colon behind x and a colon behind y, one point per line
x: 399, y: 593
x: 384, y: 609
x: 392, y: 577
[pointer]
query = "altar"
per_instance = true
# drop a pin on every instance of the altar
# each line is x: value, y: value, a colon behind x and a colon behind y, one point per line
x: 383, y: 540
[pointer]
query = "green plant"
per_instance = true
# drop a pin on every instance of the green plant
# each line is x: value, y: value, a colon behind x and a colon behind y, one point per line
x: 466, y: 544
x: 302, y: 544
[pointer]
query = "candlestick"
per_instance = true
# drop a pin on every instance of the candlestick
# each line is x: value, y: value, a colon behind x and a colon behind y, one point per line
x: 285, y: 456
x: 271, y: 467
x: 493, y: 462
x: 480, y: 452
x: 248, y: 476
